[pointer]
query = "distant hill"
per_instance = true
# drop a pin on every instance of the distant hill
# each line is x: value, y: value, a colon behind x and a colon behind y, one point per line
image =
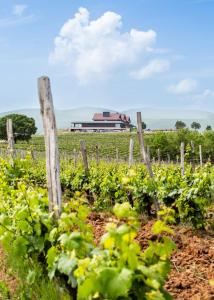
x: 158, y: 118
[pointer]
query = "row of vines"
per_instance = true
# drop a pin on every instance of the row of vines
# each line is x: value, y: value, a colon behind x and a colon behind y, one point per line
x: 61, y: 253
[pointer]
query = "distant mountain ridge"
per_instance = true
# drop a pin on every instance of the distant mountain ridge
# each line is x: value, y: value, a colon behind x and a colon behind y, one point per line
x: 155, y: 118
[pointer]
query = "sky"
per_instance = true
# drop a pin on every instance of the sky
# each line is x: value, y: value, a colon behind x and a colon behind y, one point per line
x: 117, y: 54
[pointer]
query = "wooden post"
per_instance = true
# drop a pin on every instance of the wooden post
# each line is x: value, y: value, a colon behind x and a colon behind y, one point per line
x: 200, y: 155
x: 144, y: 154
x: 142, y: 145
x: 10, y: 138
x: 168, y: 157
x: 84, y: 155
x: 159, y: 156
x: 33, y: 156
x: 22, y: 154
x: 97, y: 155
x: 131, y: 148
x: 51, y: 145
x: 193, y: 155
x: 182, y: 159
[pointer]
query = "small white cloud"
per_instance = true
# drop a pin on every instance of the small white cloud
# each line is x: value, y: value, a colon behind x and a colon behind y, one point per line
x: 185, y: 86
x: 19, y: 9
x: 13, y: 22
x: 95, y: 48
x: 154, y: 67
x: 207, y: 93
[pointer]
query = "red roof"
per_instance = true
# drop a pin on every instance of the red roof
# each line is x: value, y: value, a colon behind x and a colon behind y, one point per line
x: 111, y: 117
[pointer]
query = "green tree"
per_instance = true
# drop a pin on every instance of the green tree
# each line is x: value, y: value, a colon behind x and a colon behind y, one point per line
x: 180, y: 125
x: 208, y: 127
x: 23, y: 127
x: 143, y: 125
x: 195, y: 125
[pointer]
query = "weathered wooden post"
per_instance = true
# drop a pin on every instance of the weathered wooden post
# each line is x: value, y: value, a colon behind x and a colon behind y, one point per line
x: 33, y: 155
x: 182, y: 159
x: 22, y: 154
x: 131, y: 149
x: 10, y: 138
x: 84, y: 155
x: 193, y: 155
x: 51, y: 145
x: 168, y: 158
x: 143, y: 152
x: 200, y: 156
x: 159, y: 156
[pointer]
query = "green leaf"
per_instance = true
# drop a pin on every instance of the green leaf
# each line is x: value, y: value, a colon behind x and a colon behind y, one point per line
x: 122, y: 210
x: 160, y: 227
x: 66, y: 264
x: 115, y: 283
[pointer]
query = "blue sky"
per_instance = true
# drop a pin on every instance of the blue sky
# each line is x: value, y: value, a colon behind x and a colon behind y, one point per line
x: 112, y: 53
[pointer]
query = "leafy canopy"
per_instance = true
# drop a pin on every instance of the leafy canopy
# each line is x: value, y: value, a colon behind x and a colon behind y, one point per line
x: 180, y: 124
x: 23, y: 127
x: 195, y: 125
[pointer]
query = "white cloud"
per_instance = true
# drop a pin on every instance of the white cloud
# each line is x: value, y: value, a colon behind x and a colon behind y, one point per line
x: 185, y: 86
x: 154, y: 67
x: 95, y: 48
x: 17, y: 17
x: 19, y: 9
x: 13, y: 22
x: 207, y: 93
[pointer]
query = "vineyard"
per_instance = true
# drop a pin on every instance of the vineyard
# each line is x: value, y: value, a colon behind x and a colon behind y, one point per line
x: 81, y: 259
x: 162, y: 145
x: 106, y: 222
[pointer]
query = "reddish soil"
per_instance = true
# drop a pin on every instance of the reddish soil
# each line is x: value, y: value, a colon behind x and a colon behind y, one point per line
x: 192, y: 262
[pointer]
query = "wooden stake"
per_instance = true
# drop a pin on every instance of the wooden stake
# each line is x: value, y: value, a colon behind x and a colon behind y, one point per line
x: 131, y: 148
x: 182, y: 159
x: 10, y: 138
x: 84, y: 155
x: 168, y: 157
x: 159, y: 156
x: 193, y: 155
x: 51, y: 145
x: 144, y: 154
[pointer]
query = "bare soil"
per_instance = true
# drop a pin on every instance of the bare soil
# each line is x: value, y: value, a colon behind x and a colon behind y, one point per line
x: 192, y: 262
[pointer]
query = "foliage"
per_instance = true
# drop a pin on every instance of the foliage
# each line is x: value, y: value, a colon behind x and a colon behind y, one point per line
x: 108, y: 143
x: 23, y: 127
x: 62, y: 250
x: 144, y: 125
x: 180, y: 124
x: 195, y: 125
x: 209, y: 127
